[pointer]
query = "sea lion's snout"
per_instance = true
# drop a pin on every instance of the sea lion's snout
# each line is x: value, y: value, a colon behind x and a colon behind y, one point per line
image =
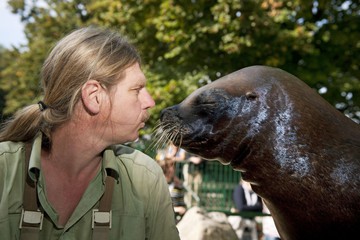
x: 168, y: 113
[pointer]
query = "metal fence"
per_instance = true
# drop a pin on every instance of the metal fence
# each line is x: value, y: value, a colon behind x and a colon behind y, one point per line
x: 216, y: 187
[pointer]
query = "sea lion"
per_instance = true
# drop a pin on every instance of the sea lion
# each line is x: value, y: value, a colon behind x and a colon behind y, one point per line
x: 300, y: 154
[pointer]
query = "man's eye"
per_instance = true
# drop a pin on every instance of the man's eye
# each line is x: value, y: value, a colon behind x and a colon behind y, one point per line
x: 136, y: 89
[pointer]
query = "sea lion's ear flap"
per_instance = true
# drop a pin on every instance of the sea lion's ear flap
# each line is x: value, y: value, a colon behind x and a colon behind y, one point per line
x: 251, y: 95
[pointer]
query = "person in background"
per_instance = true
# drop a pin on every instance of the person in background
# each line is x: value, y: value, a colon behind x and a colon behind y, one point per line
x: 94, y: 99
x: 176, y: 187
x: 192, y: 172
x: 245, y: 199
x: 175, y: 153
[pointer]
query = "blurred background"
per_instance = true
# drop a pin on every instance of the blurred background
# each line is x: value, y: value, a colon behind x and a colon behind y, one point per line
x: 186, y: 44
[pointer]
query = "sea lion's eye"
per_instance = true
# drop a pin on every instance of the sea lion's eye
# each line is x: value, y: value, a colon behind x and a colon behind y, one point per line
x: 210, y: 103
x: 205, y: 100
x: 211, y: 99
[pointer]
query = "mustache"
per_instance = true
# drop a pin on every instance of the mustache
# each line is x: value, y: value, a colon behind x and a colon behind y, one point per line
x: 163, y: 134
x: 146, y: 116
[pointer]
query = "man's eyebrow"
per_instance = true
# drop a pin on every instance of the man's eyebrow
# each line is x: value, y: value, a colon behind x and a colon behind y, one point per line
x: 141, y: 81
x: 138, y: 84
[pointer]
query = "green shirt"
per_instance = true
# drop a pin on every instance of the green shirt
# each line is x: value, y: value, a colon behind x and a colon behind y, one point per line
x: 141, y: 203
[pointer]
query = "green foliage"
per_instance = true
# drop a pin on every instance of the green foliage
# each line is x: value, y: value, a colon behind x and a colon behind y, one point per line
x: 185, y: 44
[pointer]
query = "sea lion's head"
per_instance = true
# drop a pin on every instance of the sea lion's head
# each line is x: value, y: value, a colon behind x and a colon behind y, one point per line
x: 300, y: 154
x: 219, y: 120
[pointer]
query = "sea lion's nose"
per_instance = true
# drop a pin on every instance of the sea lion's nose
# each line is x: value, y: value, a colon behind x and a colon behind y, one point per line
x: 168, y: 113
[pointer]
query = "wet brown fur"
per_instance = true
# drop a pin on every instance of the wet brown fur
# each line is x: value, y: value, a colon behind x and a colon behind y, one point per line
x: 301, y: 155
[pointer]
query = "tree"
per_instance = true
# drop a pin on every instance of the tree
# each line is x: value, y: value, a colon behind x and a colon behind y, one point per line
x: 185, y: 44
x: 5, y: 60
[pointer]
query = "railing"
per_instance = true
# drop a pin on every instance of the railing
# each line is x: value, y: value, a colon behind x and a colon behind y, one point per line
x: 216, y: 188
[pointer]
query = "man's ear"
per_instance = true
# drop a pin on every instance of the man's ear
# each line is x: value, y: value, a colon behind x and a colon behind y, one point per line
x: 91, y: 96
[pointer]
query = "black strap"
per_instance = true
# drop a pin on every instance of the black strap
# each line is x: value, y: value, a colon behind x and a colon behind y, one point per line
x: 30, y: 195
x: 31, y: 217
x: 101, y: 221
x: 105, y: 201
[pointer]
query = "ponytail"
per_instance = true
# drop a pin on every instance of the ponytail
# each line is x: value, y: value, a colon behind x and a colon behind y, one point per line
x: 23, y: 126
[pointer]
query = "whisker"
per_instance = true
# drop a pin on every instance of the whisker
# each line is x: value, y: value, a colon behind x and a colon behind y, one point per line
x: 160, y: 137
x: 156, y: 135
x: 163, y: 134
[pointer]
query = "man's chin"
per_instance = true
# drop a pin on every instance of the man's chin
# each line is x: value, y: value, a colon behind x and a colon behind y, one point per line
x: 135, y: 138
x: 131, y: 141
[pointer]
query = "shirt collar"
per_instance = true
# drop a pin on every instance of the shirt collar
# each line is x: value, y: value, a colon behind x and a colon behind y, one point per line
x: 34, y: 162
x: 109, y: 166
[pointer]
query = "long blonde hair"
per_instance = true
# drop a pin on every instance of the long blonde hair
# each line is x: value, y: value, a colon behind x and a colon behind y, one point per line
x: 86, y: 53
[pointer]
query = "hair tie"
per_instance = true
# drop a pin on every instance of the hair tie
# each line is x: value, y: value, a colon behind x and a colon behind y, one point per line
x: 42, y: 106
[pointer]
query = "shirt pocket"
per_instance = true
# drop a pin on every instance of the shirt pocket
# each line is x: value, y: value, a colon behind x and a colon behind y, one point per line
x: 9, y: 227
x: 127, y: 227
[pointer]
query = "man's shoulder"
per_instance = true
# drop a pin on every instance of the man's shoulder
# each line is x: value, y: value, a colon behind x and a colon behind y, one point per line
x: 11, y: 154
x: 8, y: 147
x: 133, y: 158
